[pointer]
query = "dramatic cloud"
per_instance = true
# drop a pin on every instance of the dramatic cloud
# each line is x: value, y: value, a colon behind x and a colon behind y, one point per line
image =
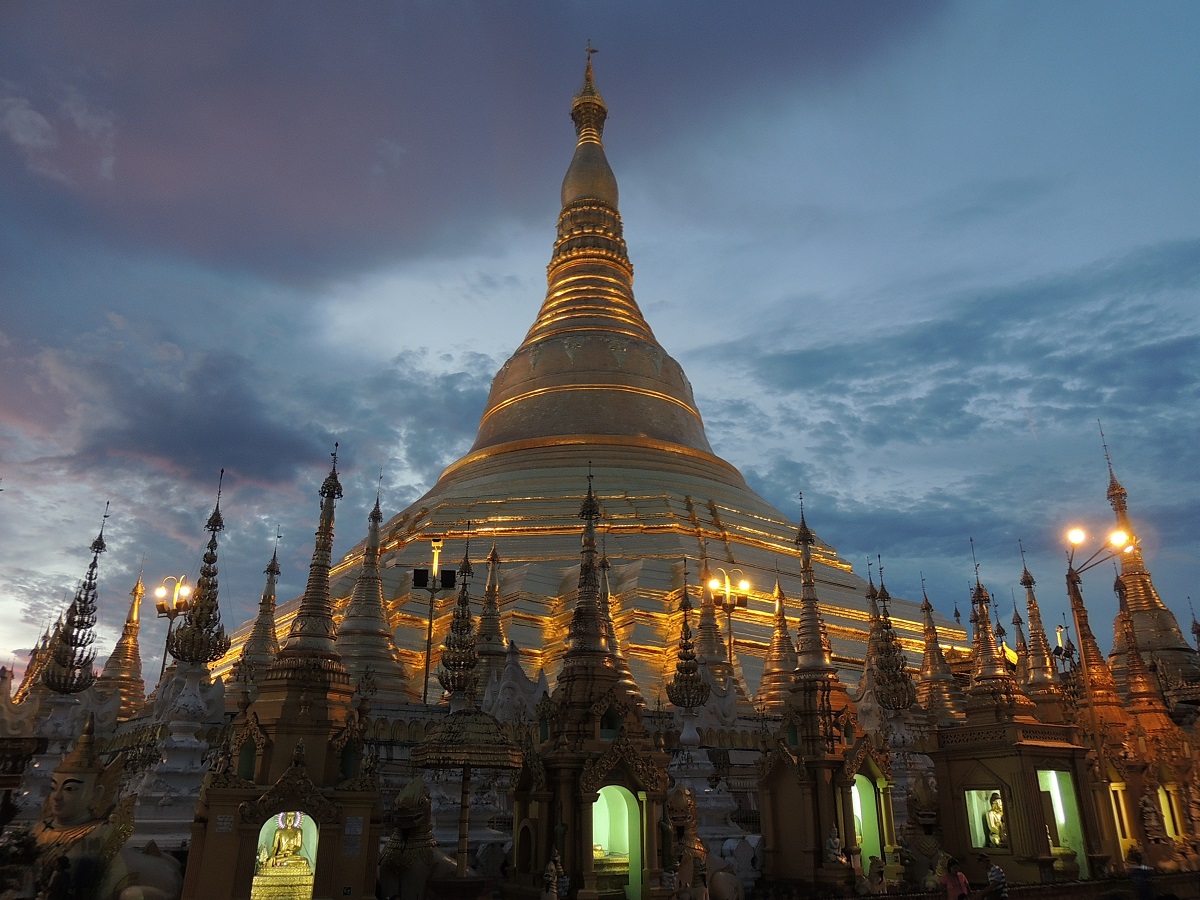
x: 907, y: 253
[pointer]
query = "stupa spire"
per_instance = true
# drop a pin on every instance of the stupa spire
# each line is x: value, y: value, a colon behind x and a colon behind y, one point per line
x: 1020, y: 647
x: 894, y: 687
x: 938, y: 691
x: 312, y: 633
x: 812, y: 646
x: 709, y: 647
x: 1159, y: 634
x: 364, y: 635
x: 587, y: 640
x: 489, y: 641
x: 780, y: 666
x: 686, y: 688
x: 68, y: 668
x: 589, y: 366
x: 1145, y: 698
x: 201, y: 638
x: 262, y: 646
x: 1041, y: 678
x: 994, y: 694
x: 610, y: 630
x: 123, y: 668
x: 1101, y: 688
x: 456, y: 671
x: 818, y: 696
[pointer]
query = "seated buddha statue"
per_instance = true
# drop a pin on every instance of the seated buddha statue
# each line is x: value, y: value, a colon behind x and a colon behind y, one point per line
x: 285, y: 846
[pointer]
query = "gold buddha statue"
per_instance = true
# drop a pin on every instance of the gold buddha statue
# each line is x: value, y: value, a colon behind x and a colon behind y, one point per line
x: 81, y: 822
x: 287, y: 842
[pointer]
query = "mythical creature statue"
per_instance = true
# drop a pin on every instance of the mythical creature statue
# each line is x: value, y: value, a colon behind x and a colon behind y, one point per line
x: 411, y: 857
x: 695, y: 878
x: 81, y: 822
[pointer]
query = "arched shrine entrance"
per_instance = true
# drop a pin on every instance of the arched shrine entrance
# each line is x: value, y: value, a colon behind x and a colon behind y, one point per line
x: 617, y: 843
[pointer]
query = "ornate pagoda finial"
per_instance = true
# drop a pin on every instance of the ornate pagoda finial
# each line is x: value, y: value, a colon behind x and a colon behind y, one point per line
x: 1142, y: 692
x: 201, y: 638
x: 589, y: 110
x: 893, y: 683
x: 627, y: 683
x: 780, y: 665
x: 686, y: 688
x: 123, y: 669
x: 68, y: 669
x: 456, y: 671
x: 586, y: 634
x: 312, y: 633
x: 1117, y: 496
x: 994, y: 692
x: 262, y: 646
x: 364, y: 636
x: 937, y: 690
x: 812, y: 644
x: 489, y: 643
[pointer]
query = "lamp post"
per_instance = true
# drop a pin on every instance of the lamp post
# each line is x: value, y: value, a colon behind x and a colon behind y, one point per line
x: 441, y: 580
x: 731, y: 598
x: 180, y: 593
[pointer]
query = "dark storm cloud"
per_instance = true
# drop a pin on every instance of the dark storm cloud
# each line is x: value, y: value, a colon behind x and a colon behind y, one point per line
x: 1104, y: 337
x: 212, y: 416
x: 302, y: 145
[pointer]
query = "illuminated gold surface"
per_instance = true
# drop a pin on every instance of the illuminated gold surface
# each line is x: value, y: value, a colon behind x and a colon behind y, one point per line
x: 590, y: 389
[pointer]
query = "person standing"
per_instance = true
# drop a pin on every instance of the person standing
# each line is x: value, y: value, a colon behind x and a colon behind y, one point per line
x: 955, y: 882
x: 997, y: 888
x: 59, y: 887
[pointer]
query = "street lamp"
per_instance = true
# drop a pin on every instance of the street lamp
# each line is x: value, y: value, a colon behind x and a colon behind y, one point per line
x: 180, y: 593
x: 446, y: 582
x: 731, y: 599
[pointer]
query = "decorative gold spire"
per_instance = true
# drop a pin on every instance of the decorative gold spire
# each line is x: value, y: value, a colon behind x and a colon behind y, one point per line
x: 1100, y: 688
x: 201, y: 638
x: 1020, y: 647
x: 818, y: 698
x: 779, y: 669
x: 1041, y: 679
x: 123, y: 669
x: 686, y: 689
x: 456, y: 671
x: 587, y: 641
x: 489, y: 643
x: 994, y: 694
x: 364, y: 636
x: 628, y: 685
x: 68, y: 669
x: 938, y: 691
x: 1142, y: 692
x: 894, y: 689
x: 262, y: 646
x: 311, y: 637
x: 1159, y: 634
x: 590, y: 367
x: 812, y: 647
x: 39, y: 657
x: 710, y: 649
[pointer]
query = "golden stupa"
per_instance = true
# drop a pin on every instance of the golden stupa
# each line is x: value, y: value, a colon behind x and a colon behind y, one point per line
x: 591, y: 390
